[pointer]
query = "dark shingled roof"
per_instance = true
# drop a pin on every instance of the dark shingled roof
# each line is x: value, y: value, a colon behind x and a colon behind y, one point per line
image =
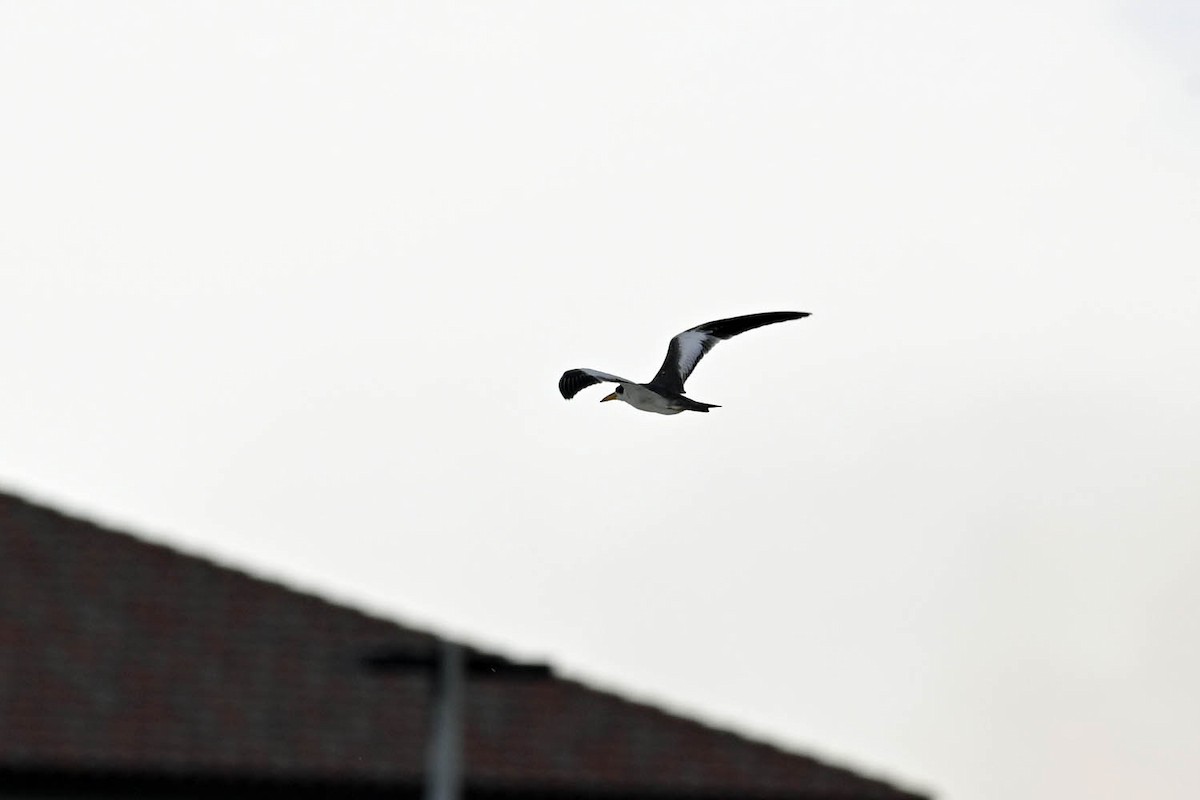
x: 122, y: 659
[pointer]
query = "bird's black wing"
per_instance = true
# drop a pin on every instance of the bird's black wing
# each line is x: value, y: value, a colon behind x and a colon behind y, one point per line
x: 686, y: 349
x: 573, y: 381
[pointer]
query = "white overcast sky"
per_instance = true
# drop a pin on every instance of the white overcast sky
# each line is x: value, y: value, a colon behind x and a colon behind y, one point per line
x: 291, y: 284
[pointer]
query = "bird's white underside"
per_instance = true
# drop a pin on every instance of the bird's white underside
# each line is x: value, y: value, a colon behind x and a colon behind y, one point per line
x: 644, y: 399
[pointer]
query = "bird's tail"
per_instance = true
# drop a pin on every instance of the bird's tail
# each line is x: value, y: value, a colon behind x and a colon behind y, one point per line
x: 704, y: 407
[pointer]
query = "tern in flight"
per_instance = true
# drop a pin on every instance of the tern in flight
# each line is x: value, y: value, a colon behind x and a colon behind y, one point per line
x: 664, y: 394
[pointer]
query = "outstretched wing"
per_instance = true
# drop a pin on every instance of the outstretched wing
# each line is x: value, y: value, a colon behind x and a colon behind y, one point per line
x: 686, y: 349
x: 573, y: 381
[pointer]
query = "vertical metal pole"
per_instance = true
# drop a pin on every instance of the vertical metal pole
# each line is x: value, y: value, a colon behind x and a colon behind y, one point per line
x: 443, y: 765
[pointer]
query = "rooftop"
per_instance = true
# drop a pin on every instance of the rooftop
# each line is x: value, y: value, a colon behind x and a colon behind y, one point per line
x: 134, y: 662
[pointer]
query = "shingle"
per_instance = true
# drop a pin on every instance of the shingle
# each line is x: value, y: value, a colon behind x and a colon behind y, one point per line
x: 117, y: 654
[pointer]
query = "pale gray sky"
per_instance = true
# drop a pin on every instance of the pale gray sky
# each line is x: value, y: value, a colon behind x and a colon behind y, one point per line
x: 291, y: 285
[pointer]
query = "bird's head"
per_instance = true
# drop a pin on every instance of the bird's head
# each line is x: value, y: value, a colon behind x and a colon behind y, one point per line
x: 619, y: 394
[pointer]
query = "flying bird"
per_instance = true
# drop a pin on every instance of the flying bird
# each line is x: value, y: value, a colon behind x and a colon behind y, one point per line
x: 664, y: 394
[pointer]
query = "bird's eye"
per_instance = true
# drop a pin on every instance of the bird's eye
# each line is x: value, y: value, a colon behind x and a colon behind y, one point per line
x: 620, y: 390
